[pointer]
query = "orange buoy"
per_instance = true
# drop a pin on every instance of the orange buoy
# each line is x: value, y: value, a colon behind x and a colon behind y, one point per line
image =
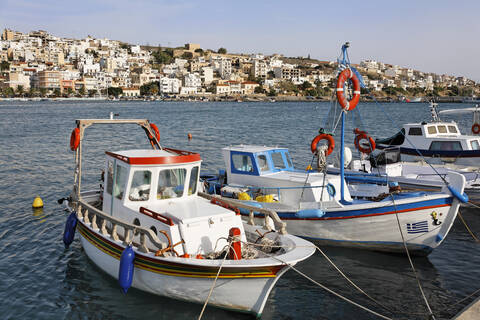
x: 476, y: 128
x: 189, y: 135
x: 75, y: 139
x: 323, y: 136
x: 343, y: 77
x: 362, y: 135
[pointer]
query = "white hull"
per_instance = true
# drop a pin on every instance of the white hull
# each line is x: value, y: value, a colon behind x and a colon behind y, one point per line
x: 247, y: 294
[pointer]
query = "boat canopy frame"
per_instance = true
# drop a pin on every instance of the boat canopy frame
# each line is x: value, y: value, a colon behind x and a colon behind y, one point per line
x: 83, y: 124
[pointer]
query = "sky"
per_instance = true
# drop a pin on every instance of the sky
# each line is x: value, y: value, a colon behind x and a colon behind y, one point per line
x: 431, y: 36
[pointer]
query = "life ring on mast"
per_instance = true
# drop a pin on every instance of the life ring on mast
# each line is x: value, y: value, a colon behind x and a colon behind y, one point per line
x: 75, y: 139
x: 156, y: 131
x: 476, y: 128
x: 362, y: 135
x: 344, y: 76
x: 323, y: 136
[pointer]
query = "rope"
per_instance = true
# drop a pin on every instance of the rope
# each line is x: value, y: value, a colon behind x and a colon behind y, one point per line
x: 432, y: 316
x: 214, y: 282
x: 466, y: 226
x: 332, y: 292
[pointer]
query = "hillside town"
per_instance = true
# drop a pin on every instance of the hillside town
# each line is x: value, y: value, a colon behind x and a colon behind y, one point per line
x: 38, y: 64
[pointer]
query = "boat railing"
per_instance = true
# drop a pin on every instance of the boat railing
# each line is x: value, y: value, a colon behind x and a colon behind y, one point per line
x: 89, y: 214
x: 267, y: 213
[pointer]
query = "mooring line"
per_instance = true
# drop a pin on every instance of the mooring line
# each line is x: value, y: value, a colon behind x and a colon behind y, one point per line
x: 432, y: 316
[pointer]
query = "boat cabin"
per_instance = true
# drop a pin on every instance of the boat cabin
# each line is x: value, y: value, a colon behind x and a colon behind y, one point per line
x: 157, y: 189
x: 433, y: 136
x: 270, y: 169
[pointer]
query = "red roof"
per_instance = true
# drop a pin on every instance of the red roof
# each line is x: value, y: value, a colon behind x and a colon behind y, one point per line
x: 179, y: 156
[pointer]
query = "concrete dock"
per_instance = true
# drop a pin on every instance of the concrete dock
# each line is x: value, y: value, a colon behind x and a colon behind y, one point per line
x: 470, y: 312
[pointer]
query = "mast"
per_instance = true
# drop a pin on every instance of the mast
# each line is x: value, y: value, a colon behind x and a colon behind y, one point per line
x: 342, y: 140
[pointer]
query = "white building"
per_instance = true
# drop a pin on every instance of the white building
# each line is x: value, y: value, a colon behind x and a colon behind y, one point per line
x: 207, y: 75
x: 192, y: 80
x: 170, y: 85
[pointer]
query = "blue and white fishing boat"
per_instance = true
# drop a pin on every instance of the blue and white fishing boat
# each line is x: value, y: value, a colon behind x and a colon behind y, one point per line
x: 148, y: 227
x: 320, y: 206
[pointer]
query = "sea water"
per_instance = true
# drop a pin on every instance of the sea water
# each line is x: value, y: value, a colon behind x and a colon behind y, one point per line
x: 39, y: 279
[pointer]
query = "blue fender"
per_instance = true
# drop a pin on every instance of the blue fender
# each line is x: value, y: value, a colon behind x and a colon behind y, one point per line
x: 69, y: 232
x: 250, y: 203
x: 125, y: 272
x: 309, y: 213
x: 461, y: 197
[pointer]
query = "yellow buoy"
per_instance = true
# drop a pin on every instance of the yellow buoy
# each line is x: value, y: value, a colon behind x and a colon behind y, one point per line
x: 37, y: 203
x: 189, y: 136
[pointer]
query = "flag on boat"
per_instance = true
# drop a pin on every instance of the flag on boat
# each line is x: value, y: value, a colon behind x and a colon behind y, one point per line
x: 417, y: 227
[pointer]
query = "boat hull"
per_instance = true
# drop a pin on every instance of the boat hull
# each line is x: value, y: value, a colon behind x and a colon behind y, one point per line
x: 238, y: 288
x: 423, y: 222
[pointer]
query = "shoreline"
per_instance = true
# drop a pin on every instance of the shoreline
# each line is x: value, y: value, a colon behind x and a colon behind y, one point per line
x: 250, y: 98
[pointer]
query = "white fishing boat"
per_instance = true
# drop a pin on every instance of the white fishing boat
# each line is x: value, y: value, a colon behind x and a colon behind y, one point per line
x: 437, y: 142
x: 149, y: 228
x: 320, y: 206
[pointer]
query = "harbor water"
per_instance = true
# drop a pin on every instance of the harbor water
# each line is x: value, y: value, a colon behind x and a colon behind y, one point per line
x: 39, y: 279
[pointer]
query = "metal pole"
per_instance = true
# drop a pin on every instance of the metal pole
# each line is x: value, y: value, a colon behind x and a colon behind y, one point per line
x: 342, y: 161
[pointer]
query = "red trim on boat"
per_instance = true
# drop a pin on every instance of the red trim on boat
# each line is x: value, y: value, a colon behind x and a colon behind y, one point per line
x: 180, y: 156
x: 156, y: 216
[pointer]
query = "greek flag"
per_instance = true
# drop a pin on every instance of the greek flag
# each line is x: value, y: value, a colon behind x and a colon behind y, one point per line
x: 417, y: 227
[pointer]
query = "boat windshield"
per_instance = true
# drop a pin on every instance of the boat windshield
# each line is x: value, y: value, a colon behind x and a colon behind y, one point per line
x: 171, y: 183
x: 192, y: 185
x: 140, y: 185
x: 475, y: 145
x: 277, y: 159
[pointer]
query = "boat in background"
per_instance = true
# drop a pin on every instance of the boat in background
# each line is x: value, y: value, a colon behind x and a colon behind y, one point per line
x: 149, y: 228
x: 437, y: 142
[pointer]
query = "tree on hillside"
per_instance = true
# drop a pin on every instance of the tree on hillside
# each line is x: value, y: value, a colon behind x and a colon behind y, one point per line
x: 222, y: 51
x: 162, y: 57
x: 5, y: 65
x: 114, y: 91
x: 306, y: 85
x: 20, y: 90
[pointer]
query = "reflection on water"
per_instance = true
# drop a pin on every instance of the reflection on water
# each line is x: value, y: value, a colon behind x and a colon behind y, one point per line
x: 42, y: 280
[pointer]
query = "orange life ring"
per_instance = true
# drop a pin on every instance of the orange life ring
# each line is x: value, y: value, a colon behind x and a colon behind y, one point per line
x: 476, y: 128
x: 362, y: 135
x: 323, y: 136
x: 342, y: 99
x: 155, y: 129
x: 75, y: 139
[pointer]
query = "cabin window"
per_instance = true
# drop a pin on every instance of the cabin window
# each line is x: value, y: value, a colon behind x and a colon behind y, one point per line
x: 475, y: 145
x: 171, y: 183
x: 278, y: 160
x: 289, y: 161
x: 242, y: 162
x: 192, y: 185
x: 140, y: 187
x: 109, y: 176
x: 446, y: 146
x: 432, y: 130
x: 415, y: 131
x: 120, y: 181
x: 452, y: 129
x: 442, y: 129
x: 262, y: 163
